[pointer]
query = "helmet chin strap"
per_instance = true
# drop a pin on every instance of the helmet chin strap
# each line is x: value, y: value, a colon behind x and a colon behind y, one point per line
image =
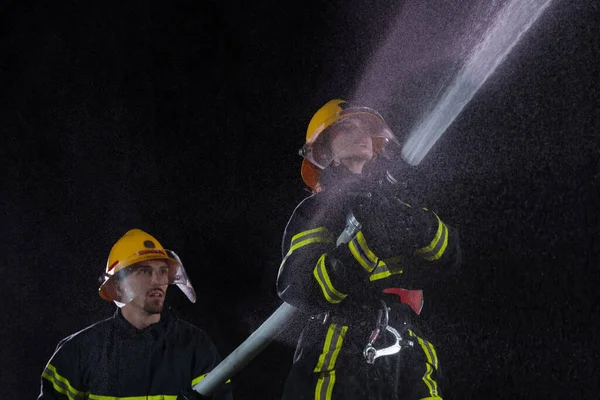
x: 119, y: 304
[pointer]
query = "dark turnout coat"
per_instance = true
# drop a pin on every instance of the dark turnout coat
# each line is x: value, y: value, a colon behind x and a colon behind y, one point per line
x: 341, y: 288
x: 112, y: 360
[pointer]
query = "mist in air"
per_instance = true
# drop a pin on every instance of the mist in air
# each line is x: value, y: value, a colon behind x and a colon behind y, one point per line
x: 435, y: 58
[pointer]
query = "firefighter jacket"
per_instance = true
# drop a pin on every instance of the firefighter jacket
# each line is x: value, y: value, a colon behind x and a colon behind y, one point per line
x: 346, y: 283
x: 114, y: 360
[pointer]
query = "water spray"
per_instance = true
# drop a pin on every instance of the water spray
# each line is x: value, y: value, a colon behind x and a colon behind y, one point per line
x: 512, y: 22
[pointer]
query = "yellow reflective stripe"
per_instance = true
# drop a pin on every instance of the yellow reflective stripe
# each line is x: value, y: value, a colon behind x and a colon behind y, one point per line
x: 325, y: 384
x: 438, y: 245
x: 308, y: 232
x: 362, y: 253
x: 338, y: 348
x: 153, y: 397
x: 430, y: 383
x: 316, y: 235
x: 431, y: 398
x: 428, y: 349
x: 333, y: 344
x: 363, y: 245
x: 403, y: 203
x: 384, y: 269
x: 432, y: 362
x: 326, y: 346
x: 433, y: 355
x: 326, y: 363
x: 331, y: 294
x: 61, y: 384
x: 198, y: 379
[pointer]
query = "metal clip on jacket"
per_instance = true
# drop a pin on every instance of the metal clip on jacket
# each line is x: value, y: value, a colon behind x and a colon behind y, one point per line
x: 370, y: 352
x: 351, y: 229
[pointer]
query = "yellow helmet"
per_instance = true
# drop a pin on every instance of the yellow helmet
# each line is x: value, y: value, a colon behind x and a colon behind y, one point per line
x: 136, y: 246
x: 316, y: 150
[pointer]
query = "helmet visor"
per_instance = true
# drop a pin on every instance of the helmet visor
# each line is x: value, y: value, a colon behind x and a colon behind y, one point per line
x: 178, y: 276
x: 354, y: 127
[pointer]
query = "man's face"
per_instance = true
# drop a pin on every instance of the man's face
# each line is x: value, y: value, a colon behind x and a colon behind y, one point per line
x: 350, y: 140
x: 148, y: 282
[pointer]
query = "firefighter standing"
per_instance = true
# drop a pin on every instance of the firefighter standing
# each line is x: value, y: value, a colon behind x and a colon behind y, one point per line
x: 356, y: 255
x: 143, y: 351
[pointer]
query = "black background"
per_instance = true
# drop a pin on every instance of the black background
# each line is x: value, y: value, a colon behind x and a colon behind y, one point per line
x: 184, y: 119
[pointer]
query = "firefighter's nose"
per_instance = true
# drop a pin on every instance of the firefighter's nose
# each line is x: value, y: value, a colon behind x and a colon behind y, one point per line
x: 159, y: 279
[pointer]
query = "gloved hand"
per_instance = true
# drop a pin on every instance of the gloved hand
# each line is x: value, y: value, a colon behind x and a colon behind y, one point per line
x: 390, y: 227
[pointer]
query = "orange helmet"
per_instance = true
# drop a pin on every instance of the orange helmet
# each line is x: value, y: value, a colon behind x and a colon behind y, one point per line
x: 315, y: 151
x: 136, y: 246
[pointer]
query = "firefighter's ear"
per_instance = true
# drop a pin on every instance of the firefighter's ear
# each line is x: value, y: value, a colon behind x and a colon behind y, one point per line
x: 121, y: 285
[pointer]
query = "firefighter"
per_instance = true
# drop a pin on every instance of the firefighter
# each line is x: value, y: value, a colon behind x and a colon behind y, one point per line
x: 143, y: 350
x: 356, y: 255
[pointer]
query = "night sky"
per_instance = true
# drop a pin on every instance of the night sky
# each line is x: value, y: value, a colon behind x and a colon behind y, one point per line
x: 184, y: 119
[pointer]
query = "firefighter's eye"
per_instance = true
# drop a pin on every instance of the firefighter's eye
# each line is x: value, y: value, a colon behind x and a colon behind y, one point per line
x: 145, y: 271
x: 164, y: 271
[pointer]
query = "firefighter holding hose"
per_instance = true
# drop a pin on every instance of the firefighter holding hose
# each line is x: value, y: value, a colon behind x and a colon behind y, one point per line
x: 356, y: 255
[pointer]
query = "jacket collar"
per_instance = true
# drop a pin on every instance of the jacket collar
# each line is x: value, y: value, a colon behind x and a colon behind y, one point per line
x: 167, y: 320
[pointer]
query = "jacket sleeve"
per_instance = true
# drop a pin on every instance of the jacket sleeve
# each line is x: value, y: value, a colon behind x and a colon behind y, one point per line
x: 314, y: 275
x: 434, y: 254
x: 207, y: 358
x: 61, y: 379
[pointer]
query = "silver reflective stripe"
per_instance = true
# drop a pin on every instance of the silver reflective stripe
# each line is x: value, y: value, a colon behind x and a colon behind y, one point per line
x: 62, y: 384
x: 362, y: 253
x: 331, y: 294
x: 326, y: 364
x: 316, y: 235
x: 325, y: 385
x: 386, y: 268
x: 331, y: 347
x: 430, y: 365
x: 304, y: 238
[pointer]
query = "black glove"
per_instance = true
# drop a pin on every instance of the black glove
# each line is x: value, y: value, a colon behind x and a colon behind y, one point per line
x: 390, y: 227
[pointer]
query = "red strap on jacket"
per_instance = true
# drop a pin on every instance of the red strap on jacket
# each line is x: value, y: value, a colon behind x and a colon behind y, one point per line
x: 413, y: 298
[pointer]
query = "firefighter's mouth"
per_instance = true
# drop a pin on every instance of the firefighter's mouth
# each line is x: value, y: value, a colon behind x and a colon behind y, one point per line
x: 157, y: 293
x: 361, y: 142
